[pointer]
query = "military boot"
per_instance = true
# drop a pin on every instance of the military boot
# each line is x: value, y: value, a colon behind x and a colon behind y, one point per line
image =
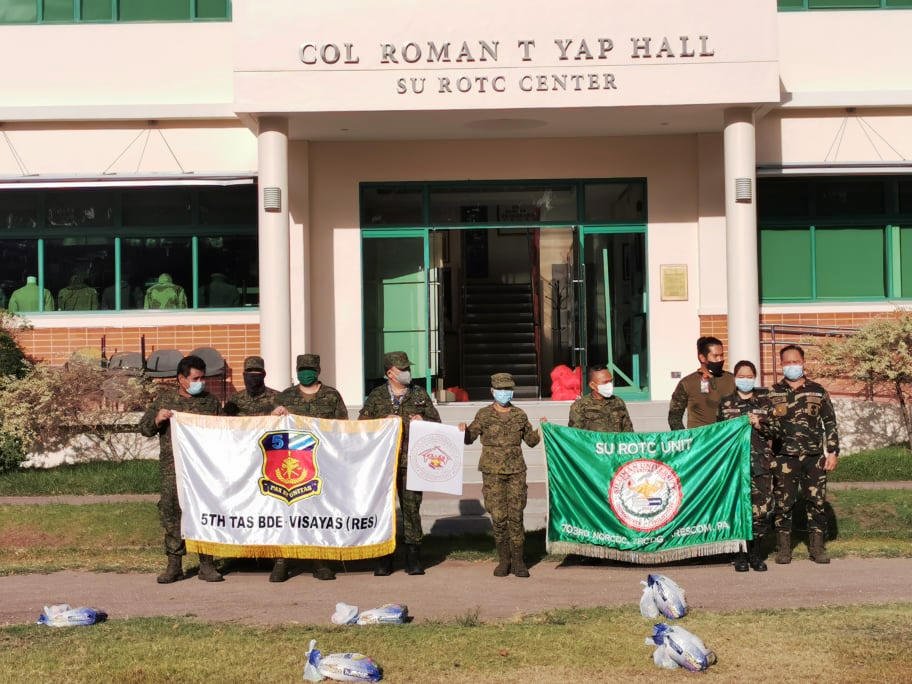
x: 784, y: 548
x: 384, y: 566
x: 322, y: 571
x: 755, y: 555
x: 207, y: 571
x: 815, y: 548
x: 173, y: 572
x: 413, y: 560
x: 517, y: 563
x: 741, y: 564
x: 503, y: 555
x: 279, y: 571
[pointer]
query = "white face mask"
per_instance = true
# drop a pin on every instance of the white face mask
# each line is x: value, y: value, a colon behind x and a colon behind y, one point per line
x: 606, y: 390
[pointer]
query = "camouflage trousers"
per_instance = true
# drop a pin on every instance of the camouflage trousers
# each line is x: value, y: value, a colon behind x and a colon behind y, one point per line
x: 799, y: 474
x: 169, y: 512
x: 410, y: 505
x: 761, y: 495
x: 505, y: 499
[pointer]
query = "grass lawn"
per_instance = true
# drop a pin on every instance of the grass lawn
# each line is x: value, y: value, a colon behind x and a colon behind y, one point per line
x: 858, y: 644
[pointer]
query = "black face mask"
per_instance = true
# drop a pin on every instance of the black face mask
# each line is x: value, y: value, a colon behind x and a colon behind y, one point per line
x: 255, y: 383
x: 714, y: 368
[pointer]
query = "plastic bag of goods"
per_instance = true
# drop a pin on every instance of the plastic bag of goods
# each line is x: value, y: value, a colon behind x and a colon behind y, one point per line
x: 676, y: 647
x: 340, y: 667
x: 662, y: 594
x: 387, y: 614
x: 61, y: 615
x: 346, y: 614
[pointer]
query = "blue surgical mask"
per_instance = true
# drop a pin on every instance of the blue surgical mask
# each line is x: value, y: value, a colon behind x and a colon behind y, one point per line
x: 503, y: 396
x: 745, y: 385
x: 196, y: 387
x: 793, y: 372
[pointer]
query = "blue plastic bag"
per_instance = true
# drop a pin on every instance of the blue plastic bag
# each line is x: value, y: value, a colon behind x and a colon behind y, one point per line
x: 61, y: 615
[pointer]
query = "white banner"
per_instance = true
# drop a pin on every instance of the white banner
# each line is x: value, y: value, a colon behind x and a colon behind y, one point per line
x: 434, y: 458
x: 286, y: 486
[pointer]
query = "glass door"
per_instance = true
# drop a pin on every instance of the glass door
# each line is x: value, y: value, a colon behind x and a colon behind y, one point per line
x: 613, y: 293
x: 396, y: 306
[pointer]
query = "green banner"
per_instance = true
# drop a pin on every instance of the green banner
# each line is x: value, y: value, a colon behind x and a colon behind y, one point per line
x: 649, y: 497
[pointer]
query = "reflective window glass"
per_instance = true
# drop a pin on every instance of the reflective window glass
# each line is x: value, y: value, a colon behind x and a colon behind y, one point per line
x: 499, y: 204
x: 782, y: 198
x: 850, y: 197
x: 153, y: 10
x: 212, y: 9
x: 19, y: 263
x: 76, y: 209
x: 391, y: 206
x: 76, y: 271
x: 615, y: 202
x: 157, y: 207
x: 228, y: 271
x: 18, y: 11
x: 231, y: 205
x: 162, y: 267
x: 97, y: 10
x: 58, y: 10
x: 18, y: 210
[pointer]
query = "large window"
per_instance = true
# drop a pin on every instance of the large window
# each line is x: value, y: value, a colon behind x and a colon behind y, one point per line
x: 835, y: 238
x: 137, y: 248
x: 842, y: 4
x: 72, y: 11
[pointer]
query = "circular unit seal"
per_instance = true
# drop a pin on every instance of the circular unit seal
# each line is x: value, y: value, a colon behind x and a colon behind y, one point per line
x: 645, y: 495
x: 433, y: 457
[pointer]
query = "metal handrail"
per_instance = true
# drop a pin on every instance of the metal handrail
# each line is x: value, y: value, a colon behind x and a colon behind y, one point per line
x: 799, y: 330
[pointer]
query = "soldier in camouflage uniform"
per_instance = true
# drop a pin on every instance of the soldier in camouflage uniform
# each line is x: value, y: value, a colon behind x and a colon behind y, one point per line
x: 700, y: 392
x: 502, y: 428
x: 398, y: 397
x: 309, y: 398
x: 806, y: 449
x: 189, y: 397
x: 753, y: 402
x: 256, y: 399
x: 600, y: 410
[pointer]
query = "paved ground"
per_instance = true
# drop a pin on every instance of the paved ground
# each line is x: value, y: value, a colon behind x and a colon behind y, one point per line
x: 452, y: 588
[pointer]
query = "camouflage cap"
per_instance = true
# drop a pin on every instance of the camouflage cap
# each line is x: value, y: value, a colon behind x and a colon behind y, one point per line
x: 254, y: 363
x: 399, y: 359
x: 502, y: 381
x: 311, y: 361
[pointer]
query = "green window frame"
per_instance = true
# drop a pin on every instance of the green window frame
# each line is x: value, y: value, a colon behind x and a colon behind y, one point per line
x: 835, y: 238
x: 106, y: 11
x: 118, y: 241
x: 805, y: 5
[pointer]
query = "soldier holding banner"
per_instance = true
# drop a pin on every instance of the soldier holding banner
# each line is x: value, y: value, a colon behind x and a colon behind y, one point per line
x: 398, y: 397
x: 502, y: 428
x: 309, y: 397
x: 189, y: 397
x: 256, y: 399
x: 700, y: 392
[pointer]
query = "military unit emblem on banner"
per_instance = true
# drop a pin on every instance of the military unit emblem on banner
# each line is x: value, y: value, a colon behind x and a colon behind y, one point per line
x: 289, y: 465
x: 645, y: 494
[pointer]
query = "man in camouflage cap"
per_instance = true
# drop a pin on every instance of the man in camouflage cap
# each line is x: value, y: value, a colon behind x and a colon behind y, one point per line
x: 600, y: 410
x: 502, y: 428
x: 398, y: 397
x: 806, y: 448
x: 256, y: 399
x: 312, y: 398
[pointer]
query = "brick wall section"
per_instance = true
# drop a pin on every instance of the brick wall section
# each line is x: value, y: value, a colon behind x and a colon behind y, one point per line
x: 717, y: 326
x: 234, y: 342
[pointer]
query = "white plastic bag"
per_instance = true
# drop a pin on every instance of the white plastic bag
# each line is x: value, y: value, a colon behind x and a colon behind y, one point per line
x: 345, y: 614
x: 676, y: 647
x: 387, y: 614
x: 341, y: 667
x: 662, y: 594
x: 61, y: 615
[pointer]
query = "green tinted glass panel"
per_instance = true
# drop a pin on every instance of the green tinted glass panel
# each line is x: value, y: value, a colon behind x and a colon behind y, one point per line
x: 58, y: 10
x: 791, y: 4
x: 905, y: 251
x: 897, y: 3
x: 843, y: 4
x: 97, y: 10
x: 211, y: 9
x: 152, y: 10
x: 785, y: 263
x: 850, y: 262
x: 18, y: 11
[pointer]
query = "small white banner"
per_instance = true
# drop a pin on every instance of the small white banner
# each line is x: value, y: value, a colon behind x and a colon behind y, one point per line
x: 435, y: 458
x: 286, y: 486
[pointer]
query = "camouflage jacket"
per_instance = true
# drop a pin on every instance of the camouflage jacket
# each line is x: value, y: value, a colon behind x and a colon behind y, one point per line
x: 326, y: 402
x: 415, y: 402
x: 245, y: 404
x: 733, y: 406
x: 600, y: 414
x: 804, y: 420
x: 502, y: 435
x: 203, y: 403
x: 702, y: 407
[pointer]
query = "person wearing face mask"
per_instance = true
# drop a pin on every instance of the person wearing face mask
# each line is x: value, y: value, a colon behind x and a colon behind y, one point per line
x: 312, y: 398
x: 398, y: 397
x: 502, y: 428
x: 600, y: 410
x: 189, y: 397
x: 806, y: 447
x: 752, y: 401
x: 256, y: 399
x: 700, y: 392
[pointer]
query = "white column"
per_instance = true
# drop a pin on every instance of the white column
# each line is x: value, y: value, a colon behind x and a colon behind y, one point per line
x: 275, y: 319
x: 742, y: 277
